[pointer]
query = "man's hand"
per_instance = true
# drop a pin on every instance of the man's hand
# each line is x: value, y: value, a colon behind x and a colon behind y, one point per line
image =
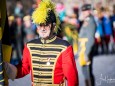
x: 88, y: 62
x: 11, y: 70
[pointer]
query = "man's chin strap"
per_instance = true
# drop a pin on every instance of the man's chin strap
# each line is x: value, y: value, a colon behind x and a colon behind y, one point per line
x: 52, y: 30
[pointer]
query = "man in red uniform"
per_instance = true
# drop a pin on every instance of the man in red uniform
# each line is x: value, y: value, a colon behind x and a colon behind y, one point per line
x: 49, y: 58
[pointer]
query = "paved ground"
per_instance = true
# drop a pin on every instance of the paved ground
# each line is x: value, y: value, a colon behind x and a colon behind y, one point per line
x: 104, y: 71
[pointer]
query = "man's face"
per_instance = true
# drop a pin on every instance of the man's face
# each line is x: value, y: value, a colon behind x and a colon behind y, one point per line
x: 86, y: 13
x: 44, y: 30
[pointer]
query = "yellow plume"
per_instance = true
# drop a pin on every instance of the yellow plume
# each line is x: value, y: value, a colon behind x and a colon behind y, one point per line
x: 41, y: 13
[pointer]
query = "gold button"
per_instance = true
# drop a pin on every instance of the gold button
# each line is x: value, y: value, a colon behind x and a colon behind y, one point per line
x: 42, y: 53
x: 43, y: 46
x: 39, y: 80
x: 40, y: 65
x: 40, y: 73
x: 40, y: 60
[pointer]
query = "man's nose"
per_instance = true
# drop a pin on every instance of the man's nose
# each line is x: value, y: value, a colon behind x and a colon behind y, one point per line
x: 43, y: 27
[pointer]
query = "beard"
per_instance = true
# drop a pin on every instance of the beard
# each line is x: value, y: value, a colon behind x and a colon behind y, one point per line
x: 44, y: 34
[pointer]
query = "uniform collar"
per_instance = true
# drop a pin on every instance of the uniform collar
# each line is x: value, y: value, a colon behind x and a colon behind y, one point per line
x: 48, y: 40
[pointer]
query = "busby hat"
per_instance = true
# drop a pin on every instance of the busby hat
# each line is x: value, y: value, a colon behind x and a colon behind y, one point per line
x: 86, y: 7
x: 45, y: 13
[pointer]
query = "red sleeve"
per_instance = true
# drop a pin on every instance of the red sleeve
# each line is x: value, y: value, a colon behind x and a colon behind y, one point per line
x: 24, y: 66
x: 69, y: 67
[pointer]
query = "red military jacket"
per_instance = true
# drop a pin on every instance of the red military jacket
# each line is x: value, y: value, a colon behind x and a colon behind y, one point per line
x: 49, y: 61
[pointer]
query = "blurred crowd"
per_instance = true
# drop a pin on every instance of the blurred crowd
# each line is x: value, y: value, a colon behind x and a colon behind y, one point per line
x: 23, y: 30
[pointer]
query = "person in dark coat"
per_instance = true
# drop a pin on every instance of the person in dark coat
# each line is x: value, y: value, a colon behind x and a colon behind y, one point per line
x: 86, y: 42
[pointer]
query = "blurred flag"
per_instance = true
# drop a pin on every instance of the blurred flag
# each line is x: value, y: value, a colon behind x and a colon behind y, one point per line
x: 5, y: 45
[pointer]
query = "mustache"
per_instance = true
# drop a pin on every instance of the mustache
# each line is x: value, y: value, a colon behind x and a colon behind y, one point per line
x: 43, y: 31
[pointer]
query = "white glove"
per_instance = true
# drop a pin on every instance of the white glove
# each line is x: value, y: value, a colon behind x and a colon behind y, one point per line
x: 11, y: 70
x: 87, y: 60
